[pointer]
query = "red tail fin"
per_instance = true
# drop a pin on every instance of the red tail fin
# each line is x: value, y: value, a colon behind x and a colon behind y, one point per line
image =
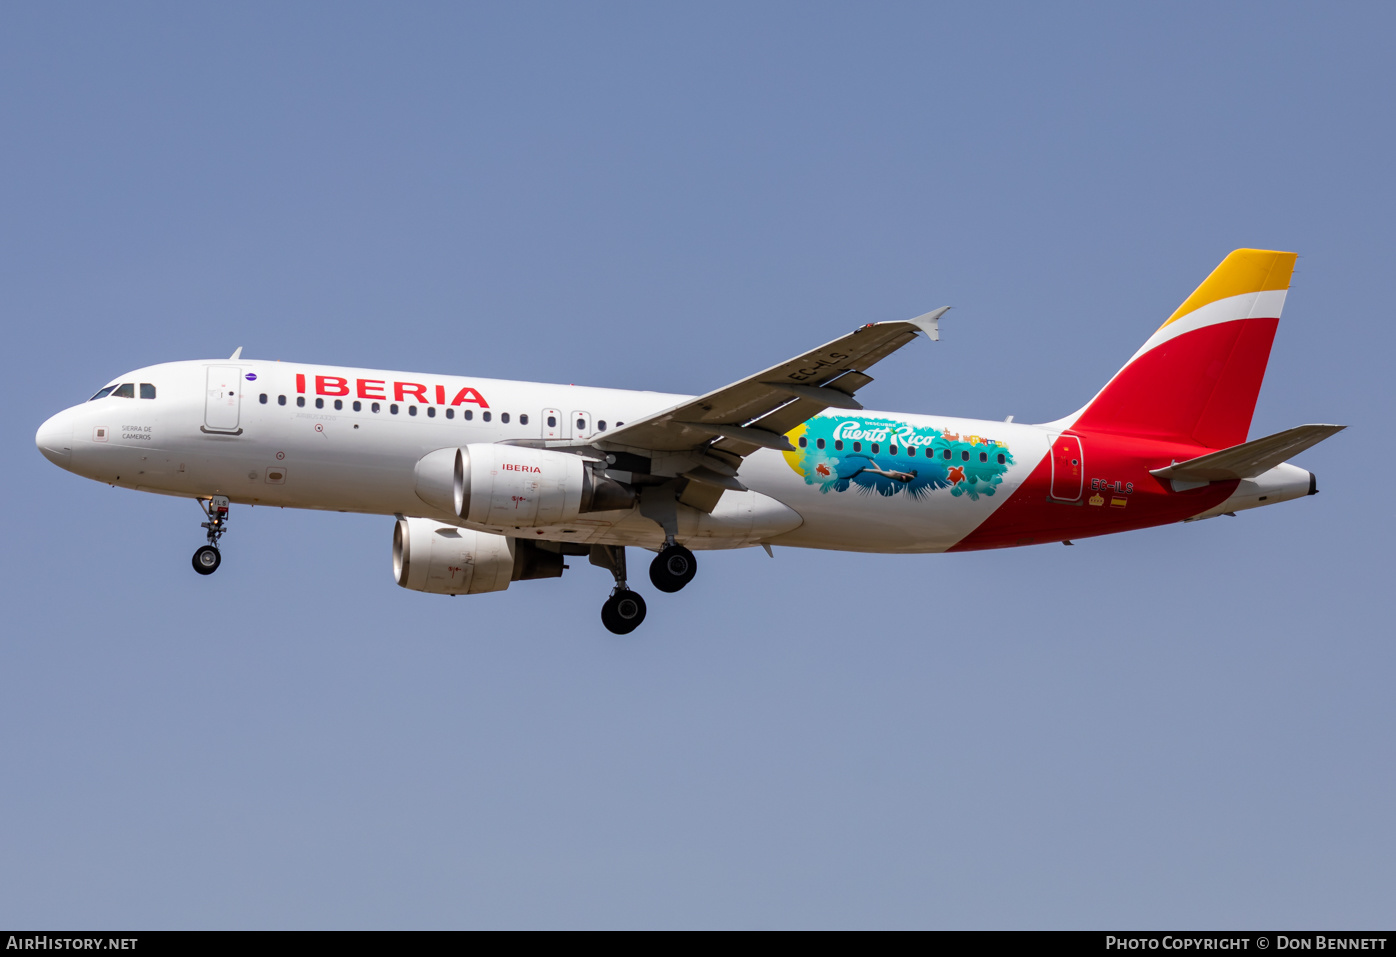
x: 1197, y: 378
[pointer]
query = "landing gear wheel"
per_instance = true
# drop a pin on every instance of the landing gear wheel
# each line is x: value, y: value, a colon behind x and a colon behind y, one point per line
x: 673, y: 568
x: 623, y: 612
x: 207, y: 560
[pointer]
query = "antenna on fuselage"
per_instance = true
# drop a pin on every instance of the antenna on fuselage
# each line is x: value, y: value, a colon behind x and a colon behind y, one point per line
x: 237, y: 354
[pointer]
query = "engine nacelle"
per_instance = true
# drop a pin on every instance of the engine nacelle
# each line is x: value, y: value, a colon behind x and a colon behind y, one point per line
x: 516, y: 487
x: 445, y: 560
x: 521, y: 488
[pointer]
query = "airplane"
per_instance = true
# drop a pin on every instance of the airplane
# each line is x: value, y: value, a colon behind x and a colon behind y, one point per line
x: 493, y: 481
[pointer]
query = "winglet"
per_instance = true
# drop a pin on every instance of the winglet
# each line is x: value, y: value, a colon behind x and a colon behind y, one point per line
x: 237, y: 354
x: 930, y: 322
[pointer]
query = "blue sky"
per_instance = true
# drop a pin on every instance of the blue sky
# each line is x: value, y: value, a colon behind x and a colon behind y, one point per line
x: 1188, y: 726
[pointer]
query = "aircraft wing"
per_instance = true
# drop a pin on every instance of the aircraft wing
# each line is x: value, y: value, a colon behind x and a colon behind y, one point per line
x: 1248, y: 459
x: 756, y: 412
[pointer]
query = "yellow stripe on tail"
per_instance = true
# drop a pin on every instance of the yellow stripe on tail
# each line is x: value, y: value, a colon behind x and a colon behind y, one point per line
x: 1245, y: 270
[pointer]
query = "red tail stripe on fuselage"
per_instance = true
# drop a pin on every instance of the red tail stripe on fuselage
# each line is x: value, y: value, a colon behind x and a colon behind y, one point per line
x: 1031, y: 517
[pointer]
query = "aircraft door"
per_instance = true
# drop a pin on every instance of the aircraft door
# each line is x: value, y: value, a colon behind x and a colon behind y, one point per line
x: 552, y: 423
x: 581, y: 425
x: 1068, y: 468
x: 222, y: 402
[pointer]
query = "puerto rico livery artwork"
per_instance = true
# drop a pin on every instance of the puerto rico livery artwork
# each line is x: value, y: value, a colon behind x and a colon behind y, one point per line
x: 491, y: 482
x: 888, y: 457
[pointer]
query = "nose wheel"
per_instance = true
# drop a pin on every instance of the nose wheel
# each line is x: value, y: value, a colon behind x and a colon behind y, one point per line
x: 673, y: 568
x: 208, y: 558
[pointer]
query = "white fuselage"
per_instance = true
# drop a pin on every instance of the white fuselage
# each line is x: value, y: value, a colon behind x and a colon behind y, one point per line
x: 258, y: 433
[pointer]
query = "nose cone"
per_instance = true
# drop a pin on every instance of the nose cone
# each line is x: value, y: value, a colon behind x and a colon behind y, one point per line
x: 55, y: 440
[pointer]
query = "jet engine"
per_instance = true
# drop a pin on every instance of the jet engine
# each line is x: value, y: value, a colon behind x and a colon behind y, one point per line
x: 517, y: 487
x: 446, y: 560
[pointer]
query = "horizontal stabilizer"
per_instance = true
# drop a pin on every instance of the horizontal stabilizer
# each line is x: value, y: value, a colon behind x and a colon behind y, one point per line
x: 1249, y: 459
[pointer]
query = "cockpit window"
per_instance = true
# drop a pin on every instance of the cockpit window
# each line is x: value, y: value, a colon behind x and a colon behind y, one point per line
x: 127, y: 390
x: 103, y: 394
x: 147, y: 390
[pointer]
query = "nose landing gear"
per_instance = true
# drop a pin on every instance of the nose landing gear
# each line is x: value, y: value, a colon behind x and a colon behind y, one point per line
x: 207, y: 558
x: 624, y: 610
x: 673, y: 568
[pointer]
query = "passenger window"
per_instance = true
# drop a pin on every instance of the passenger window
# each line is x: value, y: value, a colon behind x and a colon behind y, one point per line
x: 103, y: 393
x: 838, y: 445
x: 964, y: 456
x: 819, y: 443
x: 467, y: 414
x: 262, y: 398
x: 504, y: 417
x: 601, y: 425
x: 523, y: 419
x: 300, y: 402
x: 947, y: 454
x: 803, y: 442
x: 1002, y: 459
x: 485, y: 416
x: 411, y: 410
x: 911, y: 451
x: 983, y: 456
x: 319, y: 403
x: 581, y: 425
x: 857, y: 446
x: 393, y: 408
x: 339, y: 405
x: 127, y: 390
x: 148, y: 391
x: 374, y: 407
x: 450, y: 413
x: 552, y: 419
x: 876, y: 448
x: 281, y: 400
x: 431, y: 412
x: 358, y: 406
x: 619, y: 424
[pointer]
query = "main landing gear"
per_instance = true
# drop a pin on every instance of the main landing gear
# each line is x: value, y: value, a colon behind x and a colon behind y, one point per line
x: 625, y: 609
x: 207, y: 559
x: 673, y: 568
